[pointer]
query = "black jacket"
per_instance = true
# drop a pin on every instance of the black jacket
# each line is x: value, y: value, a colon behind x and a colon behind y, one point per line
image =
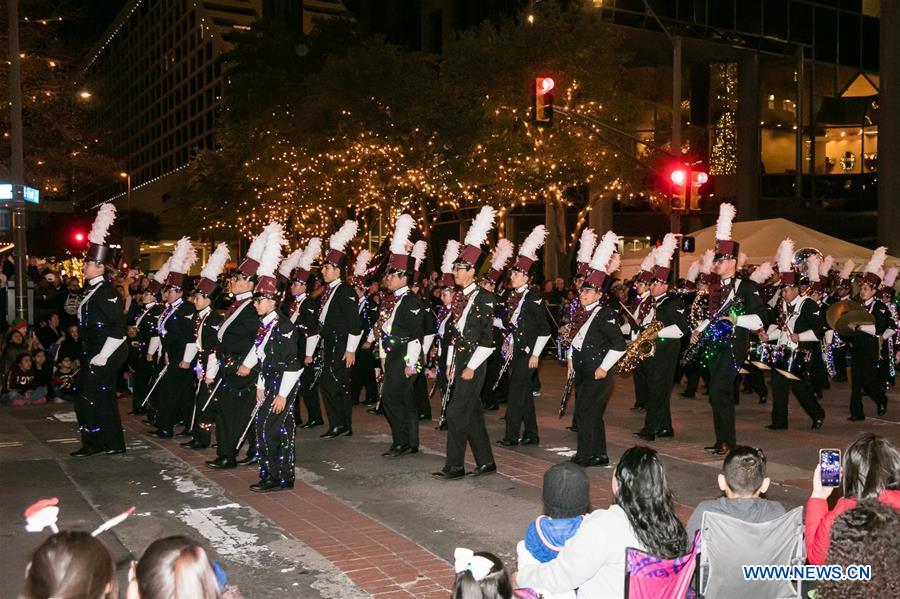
x: 102, y: 315
x: 478, y: 327
x: 408, y: 326
x: 237, y: 333
x: 341, y: 318
x: 530, y: 322
x: 177, y: 331
x: 303, y: 317
x: 603, y: 334
x: 207, y: 338
x: 280, y: 353
x: 146, y: 325
x: 747, y: 298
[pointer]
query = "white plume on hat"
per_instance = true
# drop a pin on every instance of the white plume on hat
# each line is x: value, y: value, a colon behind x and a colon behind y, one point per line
x: 741, y: 260
x: 402, y: 229
x: 877, y: 260
x: 503, y: 251
x: 649, y: 260
x: 290, y: 263
x: 727, y: 212
x: 693, y: 271
x: 312, y: 251
x: 665, y: 251
x: 784, y: 254
x: 184, y: 256
x: 533, y: 242
x: 813, y: 264
x: 762, y: 273
x: 216, y: 262
x: 614, y: 263
x: 707, y: 261
x: 363, y: 259
x: 160, y: 275
x: 451, y: 253
x: 604, y: 252
x: 255, y: 251
x: 271, y: 255
x: 481, y: 226
x: 847, y: 269
x: 418, y: 252
x: 339, y: 240
x: 586, y: 244
x: 826, y: 266
x: 891, y: 276
x: 106, y: 216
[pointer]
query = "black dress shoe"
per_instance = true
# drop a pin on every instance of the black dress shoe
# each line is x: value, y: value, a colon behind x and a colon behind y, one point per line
x: 184, y: 433
x: 817, y: 423
x: 855, y: 418
x: 312, y: 424
x: 396, y: 452
x: 115, y: 451
x: 598, y: 460
x: 390, y: 450
x: 722, y: 449
x: 374, y: 411
x: 665, y: 433
x: 776, y: 427
x: 712, y: 448
x: 637, y: 408
x: 84, y: 452
x: 162, y: 434
x: 222, y: 463
x: 529, y: 441
x: 370, y: 403
x: 450, y: 473
x: 507, y: 442
x: 194, y: 444
x: 483, y: 469
x: 573, y: 428
x: 264, y: 485
x: 687, y: 395
x: 763, y: 399
x: 414, y: 449
x: 335, y: 432
x: 646, y: 436
x: 249, y: 460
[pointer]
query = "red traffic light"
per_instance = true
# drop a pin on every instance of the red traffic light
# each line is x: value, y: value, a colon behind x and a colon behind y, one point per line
x: 700, y: 178
x: 678, y: 176
x: 78, y: 236
x: 544, y: 85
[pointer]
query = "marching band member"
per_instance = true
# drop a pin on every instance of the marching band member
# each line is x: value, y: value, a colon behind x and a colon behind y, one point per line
x: 363, y: 375
x: 442, y: 320
x: 147, y: 339
x: 634, y: 319
x: 839, y: 348
x: 495, y: 389
x: 818, y: 373
x: 420, y: 386
x: 698, y: 310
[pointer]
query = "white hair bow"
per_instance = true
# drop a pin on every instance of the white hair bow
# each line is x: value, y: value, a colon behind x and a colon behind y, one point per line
x: 465, y: 559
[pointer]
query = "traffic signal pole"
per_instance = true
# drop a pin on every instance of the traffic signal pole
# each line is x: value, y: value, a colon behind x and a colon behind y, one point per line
x: 675, y: 215
x: 17, y: 161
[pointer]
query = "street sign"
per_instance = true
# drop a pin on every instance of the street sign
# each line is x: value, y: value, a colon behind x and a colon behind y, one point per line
x: 10, y: 193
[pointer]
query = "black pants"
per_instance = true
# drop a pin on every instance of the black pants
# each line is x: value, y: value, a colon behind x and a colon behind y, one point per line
x: 235, y: 400
x: 205, y: 418
x: 310, y: 393
x: 174, y: 392
x: 423, y: 400
x: 275, y: 437
x: 591, y: 397
x: 839, y: 360
x: 96, y: 406
x: 782, y: 386
x: 722, y: 378
x: 660, y: 375
x: 864, y: 376
x: 818, y: 375
x: 399, y: 402
x: 363, y: 376
x: 143, y: 378
x: 520, y: 411
x: 335, y: 385
x: 642, y: 385
x: 694, y: 374
x: 489, y: 395
x: 465, y: 421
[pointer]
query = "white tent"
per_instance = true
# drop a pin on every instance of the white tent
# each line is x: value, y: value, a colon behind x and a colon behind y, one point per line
x: 760, y: 238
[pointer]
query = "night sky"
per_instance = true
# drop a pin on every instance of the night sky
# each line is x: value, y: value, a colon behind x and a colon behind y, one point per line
x: 94, y: 16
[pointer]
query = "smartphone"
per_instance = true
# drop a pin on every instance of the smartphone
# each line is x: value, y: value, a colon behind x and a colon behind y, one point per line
x: 830, y: 467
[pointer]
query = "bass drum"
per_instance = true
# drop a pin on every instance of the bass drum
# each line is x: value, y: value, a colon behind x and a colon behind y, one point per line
x: 758, y: 354
x: 791, y: 362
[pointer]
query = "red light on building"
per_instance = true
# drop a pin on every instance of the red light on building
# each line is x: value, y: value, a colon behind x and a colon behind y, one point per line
x: 678, y: 177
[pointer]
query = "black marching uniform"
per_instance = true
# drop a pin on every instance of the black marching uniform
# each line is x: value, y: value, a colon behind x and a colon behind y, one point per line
x: 101, y: 315
x: 301, y: 310
x: 865, y: 354
x: 421, y: 385
x: 144, y: 369
x: 496, y: 382
x: 174, y: 394
x: 206, y: 322
x: 363, y: 375
x: 341, y: 329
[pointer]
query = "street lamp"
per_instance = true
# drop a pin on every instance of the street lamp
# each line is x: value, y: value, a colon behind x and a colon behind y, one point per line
x: 127, y: 177
x: 85, y: 94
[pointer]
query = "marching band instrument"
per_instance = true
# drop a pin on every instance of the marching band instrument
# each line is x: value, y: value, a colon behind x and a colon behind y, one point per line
x: 567, y: 390
x: 643, y: 347
x: 838, y: 309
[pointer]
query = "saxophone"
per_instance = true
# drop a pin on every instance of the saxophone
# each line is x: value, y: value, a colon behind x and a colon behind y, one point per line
x: 643, y: 347
x: 698, y: 308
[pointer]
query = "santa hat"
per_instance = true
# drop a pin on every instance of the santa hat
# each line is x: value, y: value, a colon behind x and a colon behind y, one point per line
x: 248, y: 267
x: 873, y: 268
x: 418, y: 253
x: 762, y: 273
x: 646, y: 274
x: 266, y: 282
x: 313, y: 250
x: 586, y: 244
x: 662, y: 258
x: 337, y: 243
x: 183, y: 258
x: 209, y: 276
x: 690, y: 281
x: 400, y: 260
x: 451, y: 253
x: 706, y: 264
x: 159, y: 277
x: 98, y: 251
x: 471, y: 255
x: 844, y: 274
x: 503, y: 251
x: 784, y: 256
x: 597, y: 274
x: 726, y: 249
x: 527, y: 259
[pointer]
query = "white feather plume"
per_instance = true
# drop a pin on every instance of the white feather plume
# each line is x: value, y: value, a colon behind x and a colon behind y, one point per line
x: 216, y: 262
x: 891, y: 276
x: 451, y: 253
x: 649, y: 260
x: 813, y: 264
x: 184, y: 256
x: 784, y: 254
x: 614, y: 263
x: 312, y: 251
x: 288, y: 265
x: 762, y: 273
x: 533, y: 242
x: 727, y: 213
x: 586, y: 244
x: 665, y: 250
x: 106, y: 216
x: 362, y: 261
x: 826, y: 266
x: 707, y: 262
x: 503, y: 251
x: 742, y: 260
x: 254, y: 252
x: 418, y: 252
x: 693, y: 271
x: 160, y: 275
x: 402, y: 230
x: 604, y: 252
x: 847, y: 269
x: 342, y: 237
x: 481, y: 226
x: 271, y: 255
x: 877, y: 260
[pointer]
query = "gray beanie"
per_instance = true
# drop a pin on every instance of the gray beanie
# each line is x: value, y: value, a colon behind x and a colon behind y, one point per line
x: 566, y: 491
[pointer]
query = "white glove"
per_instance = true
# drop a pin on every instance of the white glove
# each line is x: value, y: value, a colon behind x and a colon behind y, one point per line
x: 109, y: 347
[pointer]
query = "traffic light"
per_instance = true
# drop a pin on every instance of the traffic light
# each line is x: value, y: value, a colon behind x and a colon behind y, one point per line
x: 78, y: 237
x: 679, y: 178
x: 687, y: 245
x: 698, y: 179
x: 542, y: 101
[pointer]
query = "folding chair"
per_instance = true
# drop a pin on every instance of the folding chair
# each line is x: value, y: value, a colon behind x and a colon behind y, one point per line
x: 650, y: 577
x: 729, y: 544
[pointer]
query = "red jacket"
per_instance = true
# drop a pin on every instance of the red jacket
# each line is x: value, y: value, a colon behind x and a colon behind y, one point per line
x: 819, y: 521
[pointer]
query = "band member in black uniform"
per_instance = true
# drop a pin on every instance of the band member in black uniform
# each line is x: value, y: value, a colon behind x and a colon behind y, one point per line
x: 420, y: 385
x: 145, y: 324
x: 798, y: 326
x: 762, y: 276
x: 734, y: 309
x: 471, y: 343
x: 632, y: 320
x: 669, y: 310
x: 341, y: 330
x: 865, y: 344
x: 496, y: 386
x: 818, y: 372
x: 698, y: 310
x: 235, y: 383
x: 597, y: 344
x: 101, y: 317
x: 840, y: 347
x: 401, y: 331
x: 441, y: 347
x: 528, y: 334
x: 206, y: 338
x: 363, y: 375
